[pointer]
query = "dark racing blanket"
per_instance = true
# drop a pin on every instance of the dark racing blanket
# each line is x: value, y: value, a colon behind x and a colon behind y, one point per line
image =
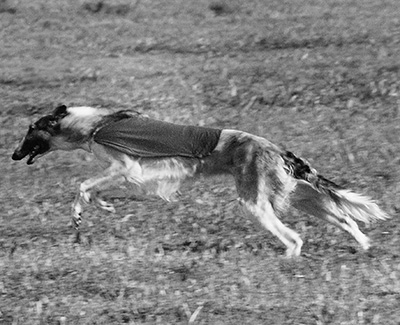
x: 147, y: 138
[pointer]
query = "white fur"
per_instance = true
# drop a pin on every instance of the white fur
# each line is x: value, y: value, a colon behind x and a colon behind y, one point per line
x: 160, y: 177
x: 81, y: 118
x: 360, y: 207
x: 83, y: 111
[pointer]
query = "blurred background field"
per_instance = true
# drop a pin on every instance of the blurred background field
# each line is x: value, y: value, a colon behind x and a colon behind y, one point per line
x: 320, y: 78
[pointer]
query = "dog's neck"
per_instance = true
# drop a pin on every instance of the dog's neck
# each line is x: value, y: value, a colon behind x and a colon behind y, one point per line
x: 77, y: 128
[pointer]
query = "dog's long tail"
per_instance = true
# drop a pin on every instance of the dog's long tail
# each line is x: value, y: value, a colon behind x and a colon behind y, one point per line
x: 315, y: 194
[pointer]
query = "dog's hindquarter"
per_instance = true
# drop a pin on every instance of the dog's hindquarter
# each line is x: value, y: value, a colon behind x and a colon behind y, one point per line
x: 269, y: 179
x: 262, y: 184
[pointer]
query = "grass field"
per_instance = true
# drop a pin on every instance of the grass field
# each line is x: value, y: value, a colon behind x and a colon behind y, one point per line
x: 321, y: 78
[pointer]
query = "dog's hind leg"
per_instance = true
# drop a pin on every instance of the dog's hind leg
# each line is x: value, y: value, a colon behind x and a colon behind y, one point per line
x: 265, y: 214
x: 264, y: 188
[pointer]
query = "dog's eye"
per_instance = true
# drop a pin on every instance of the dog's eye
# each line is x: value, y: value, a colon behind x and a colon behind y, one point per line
x: 53, y: 123
x: 31, y: 127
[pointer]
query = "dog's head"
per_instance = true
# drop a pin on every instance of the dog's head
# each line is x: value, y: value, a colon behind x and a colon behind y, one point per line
x: 37, y: 141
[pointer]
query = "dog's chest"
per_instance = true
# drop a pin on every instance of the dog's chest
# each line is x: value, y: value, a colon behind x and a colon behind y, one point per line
x: 159, y: 176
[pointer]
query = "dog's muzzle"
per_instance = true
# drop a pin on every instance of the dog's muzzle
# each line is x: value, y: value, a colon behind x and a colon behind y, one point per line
x: 20, y: 154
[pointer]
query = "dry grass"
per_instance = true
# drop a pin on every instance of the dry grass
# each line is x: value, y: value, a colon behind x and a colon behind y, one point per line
x: 322, y: 78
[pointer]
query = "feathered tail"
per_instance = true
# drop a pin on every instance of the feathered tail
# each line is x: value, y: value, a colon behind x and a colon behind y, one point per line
x: 317, y: 195
x: 359, y: 207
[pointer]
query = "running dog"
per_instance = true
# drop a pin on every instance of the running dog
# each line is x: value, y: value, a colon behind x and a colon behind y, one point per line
x: 157, y: 156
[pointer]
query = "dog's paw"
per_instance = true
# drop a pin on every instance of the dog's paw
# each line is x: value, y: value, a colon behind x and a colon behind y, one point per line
x: 86, y: 196
x: 366, y: 244
x: 174, y: 197
x: 76, y: 220
x: 106, y: 206
x: 110, y: 208
x: 294, y: 249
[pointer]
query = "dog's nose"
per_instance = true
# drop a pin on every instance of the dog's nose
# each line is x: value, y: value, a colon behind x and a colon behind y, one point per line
x: 16, y: 156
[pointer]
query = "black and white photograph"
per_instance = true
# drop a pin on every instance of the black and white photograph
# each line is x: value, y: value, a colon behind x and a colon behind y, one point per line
x: 199, y: 162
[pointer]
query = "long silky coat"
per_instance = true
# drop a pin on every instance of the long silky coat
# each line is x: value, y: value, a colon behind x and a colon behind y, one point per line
x: 157, y: 157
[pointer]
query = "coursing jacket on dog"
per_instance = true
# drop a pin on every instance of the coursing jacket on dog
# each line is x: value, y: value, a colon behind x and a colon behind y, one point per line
x: 147, y: 138
x: 157, y: 156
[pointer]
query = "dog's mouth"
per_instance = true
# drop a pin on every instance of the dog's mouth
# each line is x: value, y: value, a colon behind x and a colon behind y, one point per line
x: 32, y: 155
x: 36, y: 142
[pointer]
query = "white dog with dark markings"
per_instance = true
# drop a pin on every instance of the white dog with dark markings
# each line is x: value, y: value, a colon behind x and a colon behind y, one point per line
x: 157, y: 156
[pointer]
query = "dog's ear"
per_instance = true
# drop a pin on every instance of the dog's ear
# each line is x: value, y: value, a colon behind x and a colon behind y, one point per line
x: 60, y: 111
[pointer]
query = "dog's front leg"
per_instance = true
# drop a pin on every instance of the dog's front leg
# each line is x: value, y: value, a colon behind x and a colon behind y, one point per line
x: 77, y: 211
x: 87, y: 194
